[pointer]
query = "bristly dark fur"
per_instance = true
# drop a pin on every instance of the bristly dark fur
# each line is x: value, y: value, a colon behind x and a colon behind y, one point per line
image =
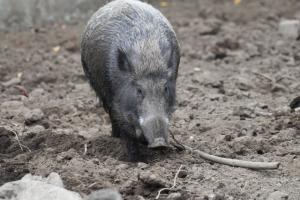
x: 130, y: 56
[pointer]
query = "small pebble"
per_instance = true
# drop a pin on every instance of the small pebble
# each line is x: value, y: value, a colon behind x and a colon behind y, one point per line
x: 290, y: 28
x: 36, y: 129
x: 37, y: 92
x: 244, y: 84
x: 174, y: 196
x: 142, y: 165
x: 182, y: 174
x: 122, y: 166
x: 104, y: 194
x: 282, y: 111
x: 228, y: 138
x: 217, y: 197
x: 66, y: 155
x: 277, y: 195
x: 33, y: 116
x: 139, y: 197
x: 148, y: 178
x: 11, y: 82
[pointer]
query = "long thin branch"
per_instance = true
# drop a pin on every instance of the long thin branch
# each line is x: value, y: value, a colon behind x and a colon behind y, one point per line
x: 234, y: 162
x: 174, y: 183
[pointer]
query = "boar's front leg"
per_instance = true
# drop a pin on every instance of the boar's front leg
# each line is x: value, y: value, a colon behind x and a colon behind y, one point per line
x: 115, y: 129
x: 132, y: 144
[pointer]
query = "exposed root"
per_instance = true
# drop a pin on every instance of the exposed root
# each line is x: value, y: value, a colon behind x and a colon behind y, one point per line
x: 234, y: 162
x: 174, y: 183
x: 225, y: 161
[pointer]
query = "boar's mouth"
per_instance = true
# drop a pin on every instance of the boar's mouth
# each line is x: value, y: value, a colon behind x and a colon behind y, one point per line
x: 158, y: 143
x: 155, y: 131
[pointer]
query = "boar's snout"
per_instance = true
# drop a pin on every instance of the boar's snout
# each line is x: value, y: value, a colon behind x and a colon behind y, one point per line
x: 158, y: 143
x: 155, y: 130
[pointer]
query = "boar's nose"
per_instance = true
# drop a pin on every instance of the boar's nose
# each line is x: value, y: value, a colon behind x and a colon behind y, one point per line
x: 158, y: 143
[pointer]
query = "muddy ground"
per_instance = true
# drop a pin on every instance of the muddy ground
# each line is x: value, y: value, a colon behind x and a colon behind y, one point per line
x: 237, y: 77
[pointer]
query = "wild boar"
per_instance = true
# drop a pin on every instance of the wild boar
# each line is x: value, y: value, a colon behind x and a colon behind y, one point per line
x: 130, y: 55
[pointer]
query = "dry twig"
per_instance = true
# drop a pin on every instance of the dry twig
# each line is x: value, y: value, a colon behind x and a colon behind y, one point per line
x: 225, y: 161
x: 85, y: 149
x: 20, y: 144
x: 174, y: 183
x: 91, y: 185
x: 234, y: 162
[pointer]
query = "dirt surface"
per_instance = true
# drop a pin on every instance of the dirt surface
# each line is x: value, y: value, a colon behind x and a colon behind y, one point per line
x: 236, y: 79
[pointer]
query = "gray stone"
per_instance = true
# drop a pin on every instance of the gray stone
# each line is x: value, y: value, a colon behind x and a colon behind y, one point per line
x: 52, y: 179
x: 104, y: 194
x: 277, y: 195
x: 37, y: 92
x: 244, y: 84
x: 151, y: 179
x: 282, y: 111
x: 36, y: 129
x: 140, y: 197
x: 142, y: 165
x: 35, y: 188
x: 33, y: 115
x: 11, y: 82
x: 290, y: 28
x: 174, y: 196
x: 55, y: 179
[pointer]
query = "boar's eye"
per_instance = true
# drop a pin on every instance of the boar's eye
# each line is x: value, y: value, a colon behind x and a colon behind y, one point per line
x: 140, y: 93
x: 166, y: 90
x: 123, y: 62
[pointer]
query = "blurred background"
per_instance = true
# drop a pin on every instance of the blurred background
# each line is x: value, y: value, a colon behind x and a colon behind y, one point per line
x: 28, y: 13
x: 16, y: 13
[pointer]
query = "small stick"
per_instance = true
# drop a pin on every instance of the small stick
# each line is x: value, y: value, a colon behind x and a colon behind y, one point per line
x: 20, y: 145
x: 22, y: 90
x: 264, y: 76
x: 85, y: 149
x: 235, y: 162
x: 174, y: 183
x: 92, y: 184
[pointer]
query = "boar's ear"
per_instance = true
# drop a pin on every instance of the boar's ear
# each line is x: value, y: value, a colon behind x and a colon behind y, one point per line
x: 170, y: 57
x: 165, y: 50
x: 123, y: 63
x: 169, y: 53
